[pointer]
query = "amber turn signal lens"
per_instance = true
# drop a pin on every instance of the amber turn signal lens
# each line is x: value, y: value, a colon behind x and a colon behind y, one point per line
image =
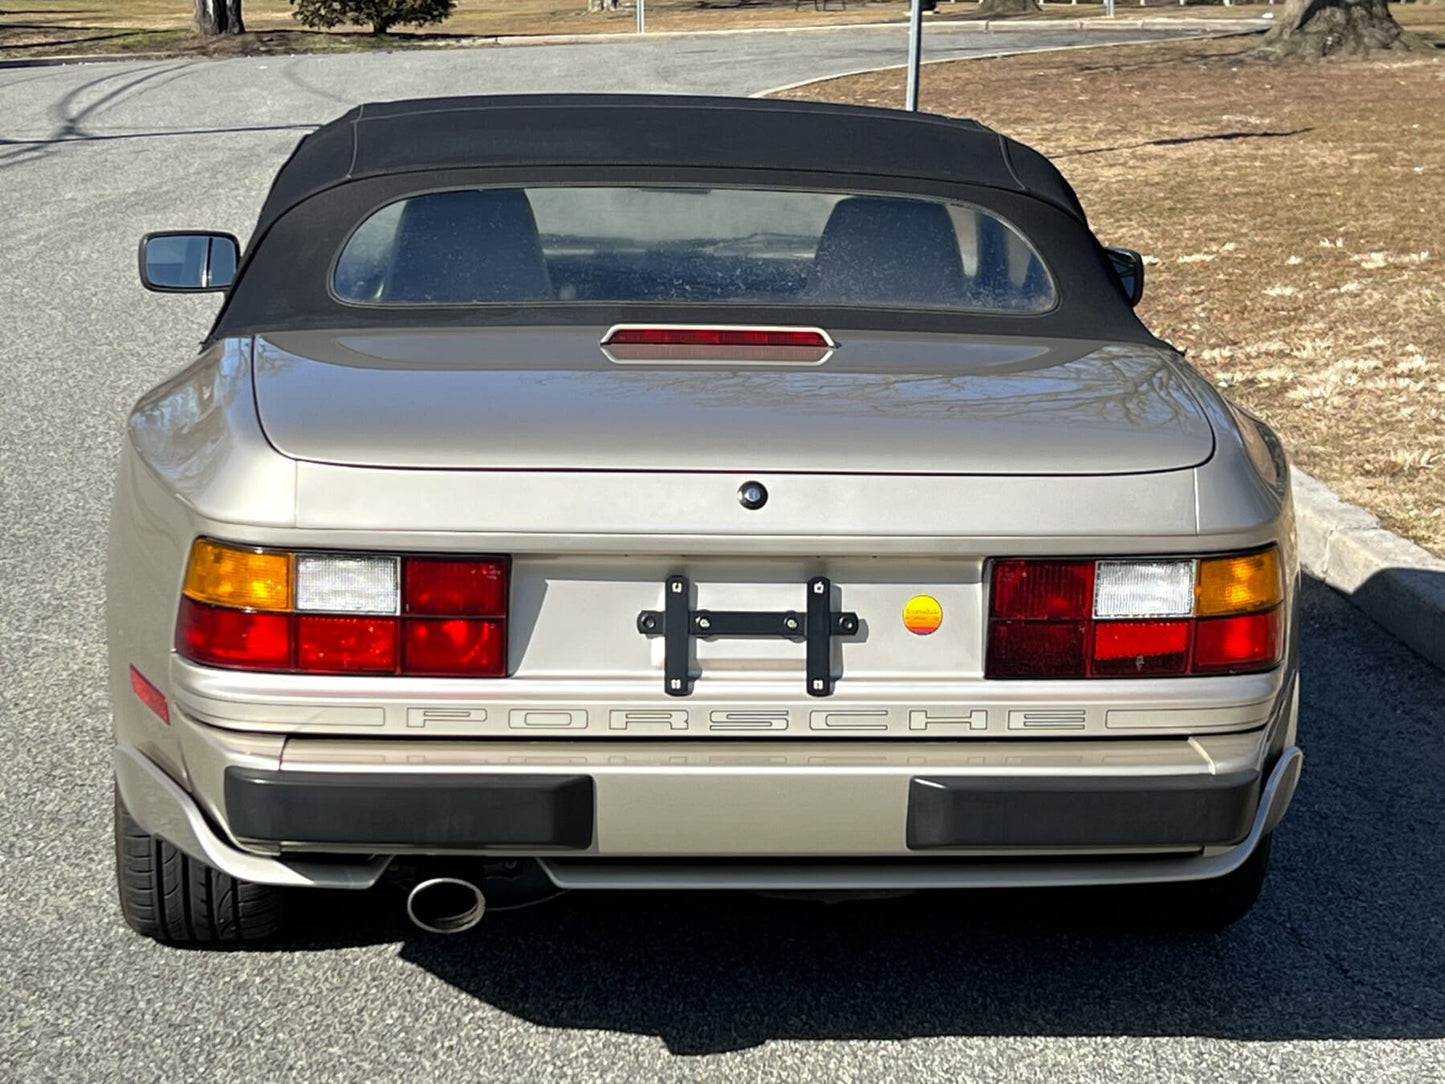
x: 239, y: 578
x: 1235, y: 585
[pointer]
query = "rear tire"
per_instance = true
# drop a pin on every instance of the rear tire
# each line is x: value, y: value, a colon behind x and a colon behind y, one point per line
x: 1216, y: 903
x: 171, y: 897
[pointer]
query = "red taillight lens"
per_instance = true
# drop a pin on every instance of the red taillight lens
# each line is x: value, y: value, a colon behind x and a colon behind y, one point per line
x: 350, y: 613
x: 1237, y: 644
x: 1018, y: 649
x: 1135, y: 617
x: 240, y: 639
x: 346, y: 645
x: 454, y: 588
x: 1137, y: 648
x: 1042, y: 590
x: 454, y: 647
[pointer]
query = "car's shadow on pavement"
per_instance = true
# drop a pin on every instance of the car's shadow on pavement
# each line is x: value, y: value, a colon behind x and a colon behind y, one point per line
x: 1347, y: 942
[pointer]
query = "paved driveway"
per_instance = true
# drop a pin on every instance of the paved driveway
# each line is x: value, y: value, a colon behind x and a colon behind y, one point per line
x: 1339, y: 974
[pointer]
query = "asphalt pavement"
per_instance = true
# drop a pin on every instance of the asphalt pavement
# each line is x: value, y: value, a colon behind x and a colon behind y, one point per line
x: 1339, y: 973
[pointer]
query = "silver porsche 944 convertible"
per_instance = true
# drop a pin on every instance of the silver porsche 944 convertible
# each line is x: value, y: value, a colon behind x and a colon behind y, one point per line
x: 642, y: 492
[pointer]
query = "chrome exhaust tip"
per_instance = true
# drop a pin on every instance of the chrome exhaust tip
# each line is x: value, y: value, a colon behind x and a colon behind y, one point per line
x: 445, y: 905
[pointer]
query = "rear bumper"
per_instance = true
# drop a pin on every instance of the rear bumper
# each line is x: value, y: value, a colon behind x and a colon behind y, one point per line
x: 765, y: 814
x: 467, y: 812
x: 558, y: 812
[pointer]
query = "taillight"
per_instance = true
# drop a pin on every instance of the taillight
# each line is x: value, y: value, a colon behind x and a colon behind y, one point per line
x: 1236, y: 643
x: 344, y: 613
x: 217, y: 636
x: 454, y: 646
x: 1147, y: 617
x: 1043, y: 590
x: 447, y: 586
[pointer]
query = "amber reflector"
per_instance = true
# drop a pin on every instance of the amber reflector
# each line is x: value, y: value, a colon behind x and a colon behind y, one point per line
x: 1233, y: 585
x: 243, y: 579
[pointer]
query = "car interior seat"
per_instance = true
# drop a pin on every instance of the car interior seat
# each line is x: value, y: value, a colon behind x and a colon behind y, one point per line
x: 467, y: 246
x: 887, y: 250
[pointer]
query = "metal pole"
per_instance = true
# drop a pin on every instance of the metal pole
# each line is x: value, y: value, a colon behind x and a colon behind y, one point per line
x: 915, y: 52
x: 641, y: 16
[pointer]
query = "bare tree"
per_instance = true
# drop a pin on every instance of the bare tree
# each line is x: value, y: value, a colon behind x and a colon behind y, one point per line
x: 1319, y: 28
x: 219, y: 17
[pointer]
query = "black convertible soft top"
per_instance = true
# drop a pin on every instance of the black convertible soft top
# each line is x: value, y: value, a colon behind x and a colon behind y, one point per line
x: 380, y: 153
x: 657, y: 130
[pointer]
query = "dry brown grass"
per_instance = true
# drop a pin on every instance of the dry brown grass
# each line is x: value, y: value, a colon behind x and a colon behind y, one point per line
x: 41, y: 27
x: 81, y: 27
x: 1294, y: 221
x: 49, y: 27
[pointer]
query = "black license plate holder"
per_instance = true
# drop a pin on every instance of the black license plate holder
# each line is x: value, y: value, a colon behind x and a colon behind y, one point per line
x: 815, y: 626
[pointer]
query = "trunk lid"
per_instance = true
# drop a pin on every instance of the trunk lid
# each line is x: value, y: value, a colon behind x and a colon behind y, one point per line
x: 881, y: 404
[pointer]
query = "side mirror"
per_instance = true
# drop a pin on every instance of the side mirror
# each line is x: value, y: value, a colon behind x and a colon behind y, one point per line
x: 184, y: 263
x: 1128, y: 268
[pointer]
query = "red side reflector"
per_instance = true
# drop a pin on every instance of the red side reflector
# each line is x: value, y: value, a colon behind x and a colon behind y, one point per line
x: 233, y: 638
x: 454, y: 588
x: 1043, y: 590
x: 345, y: 645
x: 1130, y: 648
x: 1020, y: 649
x: 150, y: 696
x: 454, y: 647
x: 1237, y: 644
x: 716, y: 336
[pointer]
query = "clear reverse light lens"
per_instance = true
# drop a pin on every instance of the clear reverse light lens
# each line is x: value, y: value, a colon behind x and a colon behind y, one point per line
x: 1143, y: 589
x: 347, y: 585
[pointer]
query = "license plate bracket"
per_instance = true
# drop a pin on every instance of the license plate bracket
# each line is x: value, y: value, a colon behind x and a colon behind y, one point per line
x: 677, y: 623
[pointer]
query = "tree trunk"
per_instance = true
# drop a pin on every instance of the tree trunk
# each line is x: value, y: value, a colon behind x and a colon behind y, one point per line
x: 1319, y: 28
x: 219, y: 17
x: 1009, y: 7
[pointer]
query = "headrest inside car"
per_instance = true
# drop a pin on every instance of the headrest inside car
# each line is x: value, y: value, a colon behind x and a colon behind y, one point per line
x: 467, y: 246
x: 890, y: 250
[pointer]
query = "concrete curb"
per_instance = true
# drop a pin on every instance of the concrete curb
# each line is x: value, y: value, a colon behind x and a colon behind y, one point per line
x: 997, y: 54
x: 982, y: 26
x: 1397, y: 583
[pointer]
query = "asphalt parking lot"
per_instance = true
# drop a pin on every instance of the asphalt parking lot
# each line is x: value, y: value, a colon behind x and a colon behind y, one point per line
x: 1339, y: 973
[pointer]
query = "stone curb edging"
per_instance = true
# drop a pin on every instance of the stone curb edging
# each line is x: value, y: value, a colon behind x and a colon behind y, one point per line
x: 981, y: 26
x: 997, y: 54
x: 1400, y: 585
x: 990, y: 26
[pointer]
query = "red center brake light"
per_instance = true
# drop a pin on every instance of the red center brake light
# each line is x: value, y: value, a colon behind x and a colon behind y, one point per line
x: 714, y: 336
x: 763, y: 345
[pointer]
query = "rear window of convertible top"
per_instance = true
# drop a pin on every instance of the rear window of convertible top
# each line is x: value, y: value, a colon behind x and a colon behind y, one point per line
x: 690, y: 244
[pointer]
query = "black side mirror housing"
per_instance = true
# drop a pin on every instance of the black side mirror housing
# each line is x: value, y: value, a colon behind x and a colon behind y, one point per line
x: 182, y: 262
x: 1128, y: 268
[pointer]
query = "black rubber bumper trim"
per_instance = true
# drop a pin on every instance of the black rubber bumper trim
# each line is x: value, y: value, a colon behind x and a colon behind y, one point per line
x: 411, y: 810
x: 1134, y: 811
